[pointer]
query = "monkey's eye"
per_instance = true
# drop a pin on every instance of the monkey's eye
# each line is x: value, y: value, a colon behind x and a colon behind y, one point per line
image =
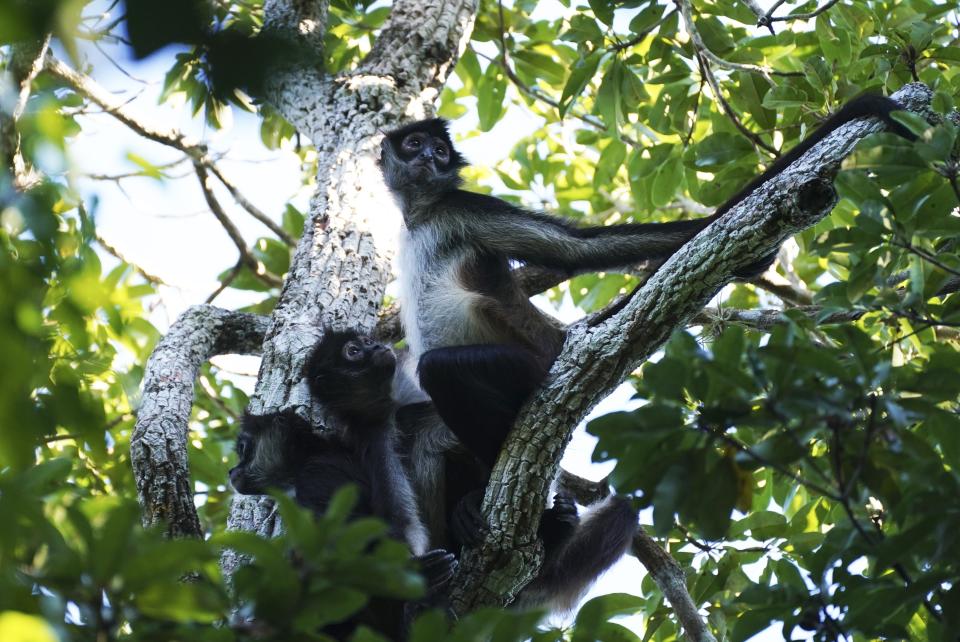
x: 352, y: 351
x: 367, y: 341
x: 412, y: 143
x: 441, y: 151
x: 241, y: 447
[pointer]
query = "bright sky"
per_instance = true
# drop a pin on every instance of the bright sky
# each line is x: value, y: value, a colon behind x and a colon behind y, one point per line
x: 167, y: 229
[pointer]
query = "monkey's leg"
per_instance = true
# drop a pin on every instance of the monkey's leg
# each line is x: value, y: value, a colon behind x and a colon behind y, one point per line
x: 600, y: 539
x: 478, y: 390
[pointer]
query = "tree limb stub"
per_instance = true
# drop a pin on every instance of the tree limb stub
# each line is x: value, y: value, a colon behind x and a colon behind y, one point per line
x: 596, y: 359
x: 158, y: 447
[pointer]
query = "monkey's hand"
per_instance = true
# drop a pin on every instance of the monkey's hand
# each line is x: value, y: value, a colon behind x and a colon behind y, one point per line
x: 559, y: 522
x: 467, y: 526
x: 437, y: 567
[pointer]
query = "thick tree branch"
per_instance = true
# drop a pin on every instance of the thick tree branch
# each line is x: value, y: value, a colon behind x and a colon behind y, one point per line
x: 420, y: 44
x: 596, y: 359
x: 158, y: 447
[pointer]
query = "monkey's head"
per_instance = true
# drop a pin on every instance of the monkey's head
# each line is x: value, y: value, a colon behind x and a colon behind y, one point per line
x: 420, y: 158
x: 270, y: 449
x: 352, y: 375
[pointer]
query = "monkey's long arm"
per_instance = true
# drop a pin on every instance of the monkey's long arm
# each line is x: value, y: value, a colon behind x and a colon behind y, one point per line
x: 546, y: 241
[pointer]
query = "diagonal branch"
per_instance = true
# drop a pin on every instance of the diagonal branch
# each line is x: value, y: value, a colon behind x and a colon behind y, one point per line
x: 111, y: 249
x: 596, y: 359
x: 24, y: 63
x: 194, y: 149
x: 686, y: 11
x: 253, y: 210
x: 158, y: 446
x: 246, y: 257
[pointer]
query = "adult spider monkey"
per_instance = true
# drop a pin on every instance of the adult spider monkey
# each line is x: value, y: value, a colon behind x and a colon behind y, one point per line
x: 352, y: 376
x: 482, y: 347
x: 449, y: 482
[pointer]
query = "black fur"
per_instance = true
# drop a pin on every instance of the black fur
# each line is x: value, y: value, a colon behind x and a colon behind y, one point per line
x: 482, y: 348
x: 452, y: 482
x: 352, y: 375
x: 468, y: 321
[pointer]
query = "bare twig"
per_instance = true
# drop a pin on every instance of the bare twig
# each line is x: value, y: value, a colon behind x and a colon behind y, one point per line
x: 230, y: 278
x: 150, y: 277
x: 768, y: 18
x: 760, y: 459
x: 687, y: 13
x: 246, y: 257
x: 254, y: 211
x: 195, y: 150
x: 727, y: 109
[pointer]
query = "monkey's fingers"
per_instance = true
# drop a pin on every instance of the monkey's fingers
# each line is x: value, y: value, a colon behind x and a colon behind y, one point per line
x: 564, y: 509
x: 438, y: 567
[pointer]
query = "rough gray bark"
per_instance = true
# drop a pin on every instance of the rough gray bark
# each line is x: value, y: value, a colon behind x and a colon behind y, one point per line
x: 595, y: 359
x: 342, y: 262
x: 158, y: 447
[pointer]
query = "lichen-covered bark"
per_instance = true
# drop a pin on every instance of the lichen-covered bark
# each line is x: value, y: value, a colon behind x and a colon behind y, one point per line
x: 158, y: 447
x: 596, y: 359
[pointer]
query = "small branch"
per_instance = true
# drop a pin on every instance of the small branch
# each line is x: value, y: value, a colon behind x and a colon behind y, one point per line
x: 926, y: 256
x: 672, y: 581
x: 230, y: 278
x: 254, y: 211
x: 768, y: 19
x: 727, y: 109
x: 88, y: 88
x: 767, y: 319
x: 25, y: 61
x: 783, y: 470
x: 245, y: 256
x: 151, y: 278
x: 701, y: 46
x: 195, y: 150
x: 775, y: 284
x: 158, y: 446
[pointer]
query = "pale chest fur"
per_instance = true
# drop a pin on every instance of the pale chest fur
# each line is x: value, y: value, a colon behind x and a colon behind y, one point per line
x: 436, y: 309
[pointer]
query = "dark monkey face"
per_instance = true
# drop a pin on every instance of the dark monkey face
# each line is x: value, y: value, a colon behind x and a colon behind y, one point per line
x: 422, y: 156
x: 352, y: 375
x: 268, y: 451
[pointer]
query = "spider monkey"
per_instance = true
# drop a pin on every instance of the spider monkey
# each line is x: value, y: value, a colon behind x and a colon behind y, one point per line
x: 482, y: 347
x: 352, y: 375
x: 449, y: 481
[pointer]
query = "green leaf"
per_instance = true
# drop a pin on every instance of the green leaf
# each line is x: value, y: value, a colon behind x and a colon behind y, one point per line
x: 595, y: 613
x: 490, y: 93
x: 608, y: 103
x: 580, y: 76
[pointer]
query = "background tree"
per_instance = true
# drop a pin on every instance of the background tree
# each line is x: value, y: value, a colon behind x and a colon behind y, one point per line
x: 798, y: 440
